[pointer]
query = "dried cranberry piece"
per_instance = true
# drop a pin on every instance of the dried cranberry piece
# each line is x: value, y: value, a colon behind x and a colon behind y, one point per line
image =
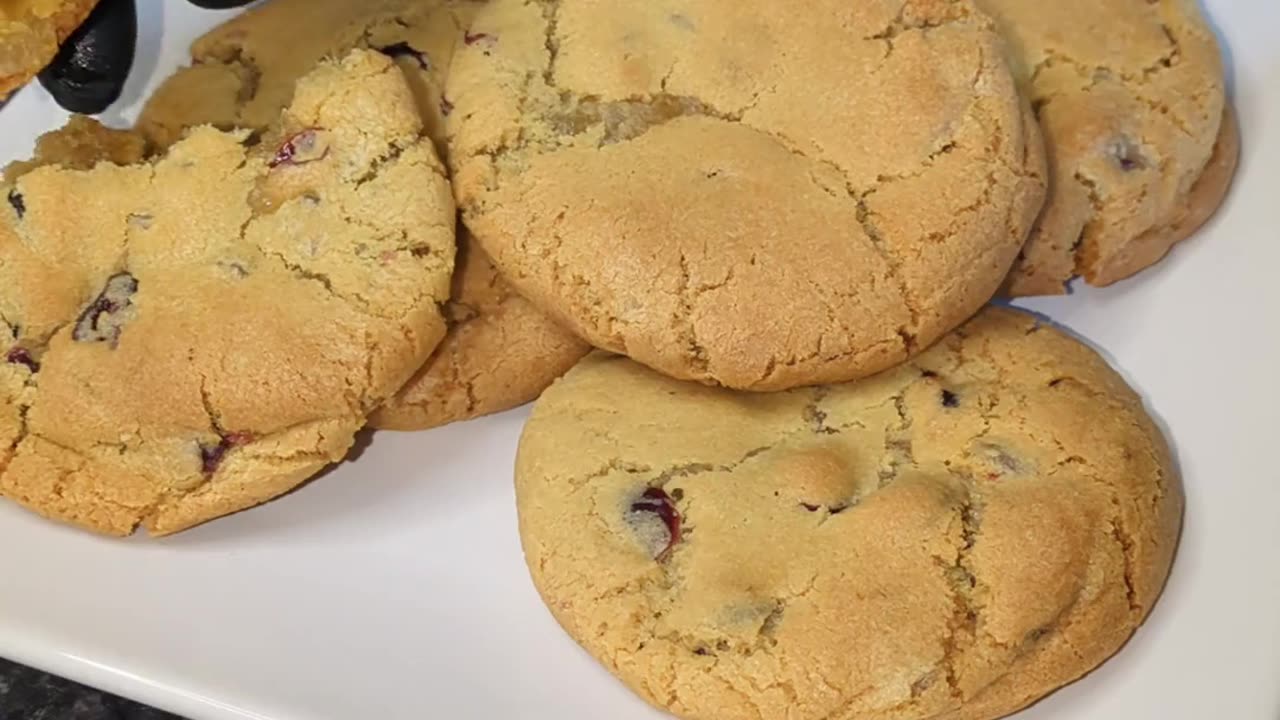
x: 950, y: 399
x: 19, y: 205
x: 211, y: 455
x: 302, y: 147
x: 21, y: 356
x: 104, y: 318
x: 404, y: 49
x: 471, y: 38
x: 656, y: 501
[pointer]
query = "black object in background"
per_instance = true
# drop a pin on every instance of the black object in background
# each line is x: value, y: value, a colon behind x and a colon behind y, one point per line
x: 92, y: 65
x: 225, y: 4
x: 27, y: 694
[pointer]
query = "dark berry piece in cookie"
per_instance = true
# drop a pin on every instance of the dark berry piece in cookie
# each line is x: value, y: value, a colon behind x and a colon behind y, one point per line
x: 1126, y: 154
x: 106, y: 316
x: 211, y: 455
x: 303, y: 147
x: 655, y: 518
x: 446, y: 107
x: 22, y: 356
x: 404, y: 49
x: 484, y: 40
x: 950, y: 399
x: 17, y: 203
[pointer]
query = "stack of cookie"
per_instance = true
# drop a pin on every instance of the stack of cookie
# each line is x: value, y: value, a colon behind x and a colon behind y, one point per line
x: 806, y: 474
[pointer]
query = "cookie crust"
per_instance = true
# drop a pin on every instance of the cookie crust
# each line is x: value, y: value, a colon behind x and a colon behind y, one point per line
x: 196, y: 334
x: 1141, y: 142
x: 623, y: 164
x: 500, y: 350
x: 953, y: 538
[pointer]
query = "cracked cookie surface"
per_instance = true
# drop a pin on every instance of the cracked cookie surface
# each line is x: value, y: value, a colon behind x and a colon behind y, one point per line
x: 953, y: 538
x: 196, y: 334
x: 500, y: 350
x: 739, y: 193
x: 31, y: 32
x: 1141, y: 142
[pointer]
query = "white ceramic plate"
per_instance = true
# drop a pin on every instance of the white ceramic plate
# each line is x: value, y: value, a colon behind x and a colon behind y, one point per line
x: 394, y: 588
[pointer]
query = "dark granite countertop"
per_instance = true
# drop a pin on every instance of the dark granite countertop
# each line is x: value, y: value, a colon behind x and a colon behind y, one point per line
x: 27, y: 694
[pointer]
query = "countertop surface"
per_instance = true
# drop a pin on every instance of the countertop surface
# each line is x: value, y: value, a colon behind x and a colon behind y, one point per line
x: 27, y: 694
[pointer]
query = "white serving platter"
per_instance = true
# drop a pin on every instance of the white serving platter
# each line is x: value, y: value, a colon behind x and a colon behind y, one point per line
x: 393, y: 587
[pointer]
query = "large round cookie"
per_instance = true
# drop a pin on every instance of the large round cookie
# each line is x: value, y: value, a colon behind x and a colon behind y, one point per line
x: 30, y: 33
x: 198, y: 334
x: 951, y: 539
x: 1130, y: 96
x: 745, y: 193
x: 500, y: 350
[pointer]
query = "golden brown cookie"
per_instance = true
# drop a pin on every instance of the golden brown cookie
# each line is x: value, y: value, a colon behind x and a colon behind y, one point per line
x: 500, y: 351
x: 79, y: 145
x: 30, y: 33
x: 244, y: 70
x: 951, y: 539
x: 197, y: 334
x: 1130, y: 95
x: 744, y: 193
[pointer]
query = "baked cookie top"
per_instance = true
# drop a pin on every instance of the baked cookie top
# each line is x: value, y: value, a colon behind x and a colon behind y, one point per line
x: 31, y: 32
x: 197, y: 334
x: 500, y: 350
x: 1130, y: 97
x: 953, y: 538
x: 740, y: 193
x: 243, y: 71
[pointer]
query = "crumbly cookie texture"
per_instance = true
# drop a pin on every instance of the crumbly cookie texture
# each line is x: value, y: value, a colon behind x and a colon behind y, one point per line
x: 953, y: 538
x: 739, y: 192
x: 31, y: 32
x: 500, y: 350
x: 198, y: 334
x: 1131, y: 101
x: 79, y: 145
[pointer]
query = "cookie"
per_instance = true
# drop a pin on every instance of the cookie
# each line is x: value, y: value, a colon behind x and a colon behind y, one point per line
x: 197, y: 334
x: 500, y: 351
x: 242, y: 74
x: 953, y: 538
x: 79, y: 145
x: 31, y: 32
x: 1130, y: 96
x: 739, y: 193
